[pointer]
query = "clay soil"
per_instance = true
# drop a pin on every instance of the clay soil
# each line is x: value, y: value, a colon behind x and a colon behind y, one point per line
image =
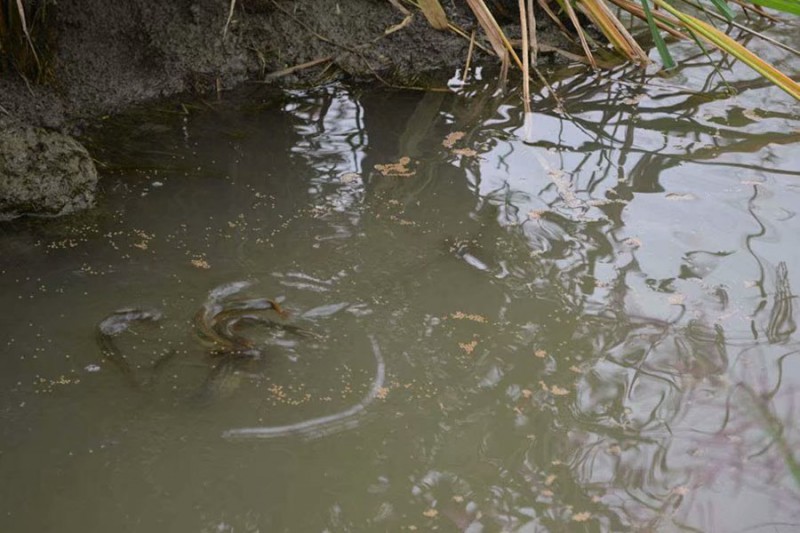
x: 108, y: 55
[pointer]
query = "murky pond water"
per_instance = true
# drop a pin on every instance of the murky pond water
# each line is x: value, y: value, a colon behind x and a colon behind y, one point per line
x: 582, y: 325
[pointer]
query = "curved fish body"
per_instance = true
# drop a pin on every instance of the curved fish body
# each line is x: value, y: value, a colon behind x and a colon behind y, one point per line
x: 215, y: 322
x: 204, y: 318
x: 224, y: 322
x: 324, y: 425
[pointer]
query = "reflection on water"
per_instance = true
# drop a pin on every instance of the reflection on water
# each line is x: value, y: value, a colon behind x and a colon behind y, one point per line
x: 584, y: 327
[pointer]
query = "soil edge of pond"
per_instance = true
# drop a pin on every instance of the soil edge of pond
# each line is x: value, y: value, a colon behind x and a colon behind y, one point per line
x: 104, y: 57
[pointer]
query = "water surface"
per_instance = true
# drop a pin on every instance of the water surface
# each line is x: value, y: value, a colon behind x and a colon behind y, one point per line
x: 587, y: 323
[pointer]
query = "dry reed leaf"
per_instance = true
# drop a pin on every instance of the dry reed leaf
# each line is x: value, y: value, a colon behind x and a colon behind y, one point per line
x: 400, y: 7
x: 231, y: 8
x: 296, y: 68
x: 612, y: 28
x: 729, y: 45
x: 557, y: 21
x: 434, y: 12
x: 498, y: 40
x: 664, y: 22
x: 526, y: 60
x: 582, y: 517
x: 469, y: 57
x: 399, y: 26
x: 534, y: 42
x: 567, y: 5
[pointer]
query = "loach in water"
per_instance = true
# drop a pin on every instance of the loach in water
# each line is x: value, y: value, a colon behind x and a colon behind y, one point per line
x: 324, y: 425
x: 217, y: 323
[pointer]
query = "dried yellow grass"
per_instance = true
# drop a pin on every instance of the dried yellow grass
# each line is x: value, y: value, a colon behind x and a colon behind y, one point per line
x: 500, y: 43
x: 567, y: 5
x: 732, y: 47
x: 526, y: 47
x: 613, y: 30
x: 434, y: 12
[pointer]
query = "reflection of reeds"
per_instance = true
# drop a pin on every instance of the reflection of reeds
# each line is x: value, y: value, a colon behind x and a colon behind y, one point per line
x: 776, y: 430
x: 781, y: 324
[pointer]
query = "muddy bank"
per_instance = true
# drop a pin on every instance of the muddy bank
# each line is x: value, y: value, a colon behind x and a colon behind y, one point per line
x: 104, y: 56
x: 107, y: 55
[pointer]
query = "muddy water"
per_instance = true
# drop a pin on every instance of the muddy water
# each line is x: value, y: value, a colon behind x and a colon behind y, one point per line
x: 586, y: 324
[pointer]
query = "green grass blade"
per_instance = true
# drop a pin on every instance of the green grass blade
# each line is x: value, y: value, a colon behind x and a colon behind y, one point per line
x: 787, y: 6
x: 663, y: 51
x: 723, y: 8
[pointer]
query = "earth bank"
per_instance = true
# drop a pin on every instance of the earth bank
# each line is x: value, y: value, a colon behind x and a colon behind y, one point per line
x: 104, y: 56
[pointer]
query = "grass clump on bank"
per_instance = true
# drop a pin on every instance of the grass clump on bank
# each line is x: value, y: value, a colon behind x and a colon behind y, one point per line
x: 660, y: 16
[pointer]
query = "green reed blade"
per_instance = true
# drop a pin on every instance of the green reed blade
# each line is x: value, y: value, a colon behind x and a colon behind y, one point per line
x: 663, y: 51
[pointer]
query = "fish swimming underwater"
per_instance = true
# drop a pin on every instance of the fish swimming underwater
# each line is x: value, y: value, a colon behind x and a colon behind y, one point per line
x: 218, y: 325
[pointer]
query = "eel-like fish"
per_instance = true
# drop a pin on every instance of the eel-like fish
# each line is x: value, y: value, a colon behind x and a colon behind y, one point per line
x: 324, y: 425
x: 216, y: 323
x: 204, y: 318
x: 223, y: 323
